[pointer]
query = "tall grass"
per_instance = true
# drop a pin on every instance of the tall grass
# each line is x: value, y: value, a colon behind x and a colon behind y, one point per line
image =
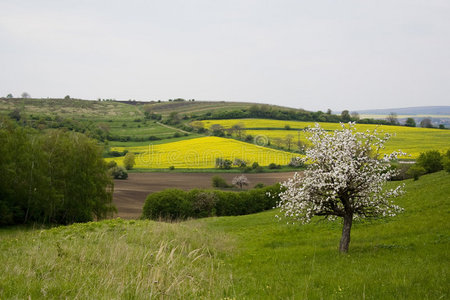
x: 113, y: 259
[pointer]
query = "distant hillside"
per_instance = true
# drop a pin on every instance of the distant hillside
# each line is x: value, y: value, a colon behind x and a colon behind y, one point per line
x: 131, y: 108
x: 419, y: 110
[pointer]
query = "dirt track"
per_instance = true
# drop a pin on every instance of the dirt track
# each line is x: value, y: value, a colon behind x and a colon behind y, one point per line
x: 130, y: 194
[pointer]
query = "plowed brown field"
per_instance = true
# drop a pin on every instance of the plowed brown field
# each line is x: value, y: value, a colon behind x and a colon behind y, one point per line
x: 130, y: 194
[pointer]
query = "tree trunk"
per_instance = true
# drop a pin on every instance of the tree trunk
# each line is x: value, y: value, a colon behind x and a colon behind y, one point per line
x: 345, y: 239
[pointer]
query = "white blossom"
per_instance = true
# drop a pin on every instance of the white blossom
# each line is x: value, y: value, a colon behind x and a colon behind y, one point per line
x: 345, y: 176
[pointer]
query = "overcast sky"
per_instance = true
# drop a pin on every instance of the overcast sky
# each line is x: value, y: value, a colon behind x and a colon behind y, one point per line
x: 306, y: 54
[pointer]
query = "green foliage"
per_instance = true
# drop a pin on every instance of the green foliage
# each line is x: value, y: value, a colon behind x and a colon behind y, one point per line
x: 274, y: 166
x: 430, y: 161
x: 118, y: 172
x: 219, y: 182
x: 57, y: 177
x: 410, y: 122
x: 446, y: 161
x: 169, y: 204
x: 129, y: 161
x: 171, y: 168
x: 416, y: 171
x: 223, y: 163
x: 175, y: 204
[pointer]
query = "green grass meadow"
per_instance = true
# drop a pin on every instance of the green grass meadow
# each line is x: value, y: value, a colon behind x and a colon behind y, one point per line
x: 246, y: 257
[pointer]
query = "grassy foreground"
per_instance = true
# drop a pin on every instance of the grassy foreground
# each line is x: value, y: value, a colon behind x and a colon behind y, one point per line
x: 246, y: 257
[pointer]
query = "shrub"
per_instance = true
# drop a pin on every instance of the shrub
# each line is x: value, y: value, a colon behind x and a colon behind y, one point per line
x: 274, y: 166
x: 415, y: 171
x: 240, y: 163
x: 115, y: 153
x: 171, y: 168
x: 259, y: 169
x: 111, y: 164
x: 247, y: 169
x: 402, y: 171
x: 223, y: 163
x: 203, y: 203
x: 255, y: 165
x: 177, y: 204
x: 431, y: 161
x: 259, y: 185
x: 168, y: 204
x: 128, y: 161
x: 446, y: 161
x: 219, y: 182
x: 118, y: 172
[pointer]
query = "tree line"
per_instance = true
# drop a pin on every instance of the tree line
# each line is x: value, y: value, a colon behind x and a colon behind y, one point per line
x: 54, y: 177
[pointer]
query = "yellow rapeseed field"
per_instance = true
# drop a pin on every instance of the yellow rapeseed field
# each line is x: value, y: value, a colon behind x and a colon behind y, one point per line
x: 412, y: 140
x: 202, y: 153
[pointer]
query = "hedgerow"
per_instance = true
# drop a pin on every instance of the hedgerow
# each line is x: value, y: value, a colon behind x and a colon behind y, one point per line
x: 175, y: 204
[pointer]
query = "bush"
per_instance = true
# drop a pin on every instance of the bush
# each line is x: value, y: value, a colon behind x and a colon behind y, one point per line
x: 219, y: 182
x: 259, y: 169
x: 274, y: 166
x: 171, y: 168
x: 203, y: 203
x: 169, y: 204
x: 259, y: 185
x: 247, y: 169
x: 223, y: 163
x: 128, y: 161
x: 255, y: 165
x: 446, y: 161
x: 177, y: 204
x: 402, y: 171
x: 118, y: 172
x: 240, y: 163
x: 431, y: 161
x: 415, y: 171
x: 111, y: 164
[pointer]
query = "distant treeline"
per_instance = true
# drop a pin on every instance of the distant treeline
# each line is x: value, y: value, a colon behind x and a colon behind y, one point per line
x: 271, y: 112
x: 56, y: 177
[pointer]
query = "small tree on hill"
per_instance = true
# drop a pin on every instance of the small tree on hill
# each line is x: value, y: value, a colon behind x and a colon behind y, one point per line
x: 128, y: 161
x: 345, y: 179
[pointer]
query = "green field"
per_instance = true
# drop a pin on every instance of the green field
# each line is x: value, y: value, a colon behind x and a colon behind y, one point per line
x: 411, y: 140
x: 246, y: 257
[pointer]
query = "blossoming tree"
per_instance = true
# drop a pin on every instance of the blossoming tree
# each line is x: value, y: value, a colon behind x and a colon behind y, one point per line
x: 345, y: 179
x: 240, y: 181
